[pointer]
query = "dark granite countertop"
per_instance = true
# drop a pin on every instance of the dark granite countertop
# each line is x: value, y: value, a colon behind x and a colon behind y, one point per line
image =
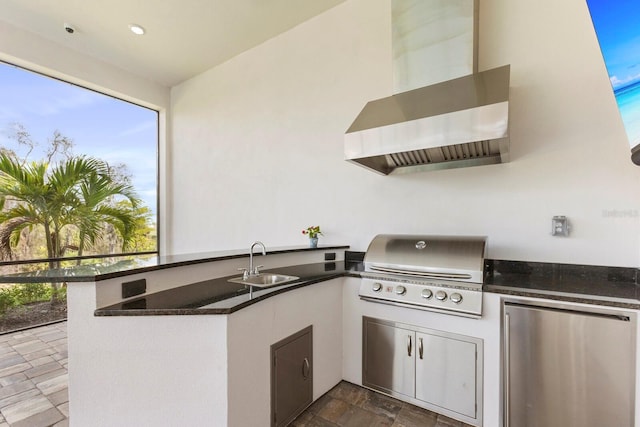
x: 93, y: 270
x: 612, y: 286
x: 219, y: 296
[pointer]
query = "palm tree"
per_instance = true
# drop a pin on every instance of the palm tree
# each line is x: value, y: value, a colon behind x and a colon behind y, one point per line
x: 77, y: 192
x: 39, y: 199
x: 25, y: 185
x: 97, y: 210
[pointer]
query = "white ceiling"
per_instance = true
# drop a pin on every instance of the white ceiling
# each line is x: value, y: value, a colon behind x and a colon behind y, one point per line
x: 183, y: 39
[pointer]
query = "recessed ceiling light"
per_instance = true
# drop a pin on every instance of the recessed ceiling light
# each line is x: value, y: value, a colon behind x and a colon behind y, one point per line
x: 69, y: 28
x: 136, y: 29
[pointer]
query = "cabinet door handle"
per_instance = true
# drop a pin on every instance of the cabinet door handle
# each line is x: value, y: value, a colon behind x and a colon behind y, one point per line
x: 507, y: 351
x: 409, y: 345
x: 306, y: 368
x: 420, y: 348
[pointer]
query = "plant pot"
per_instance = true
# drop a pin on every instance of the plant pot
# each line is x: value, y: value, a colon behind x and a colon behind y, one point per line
x: 313, y: 242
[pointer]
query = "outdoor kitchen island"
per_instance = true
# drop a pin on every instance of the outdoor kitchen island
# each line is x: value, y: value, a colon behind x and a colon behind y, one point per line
x: 194, y: 366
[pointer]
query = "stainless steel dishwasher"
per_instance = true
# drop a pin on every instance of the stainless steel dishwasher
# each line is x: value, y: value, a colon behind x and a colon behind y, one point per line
x: 565, y: 367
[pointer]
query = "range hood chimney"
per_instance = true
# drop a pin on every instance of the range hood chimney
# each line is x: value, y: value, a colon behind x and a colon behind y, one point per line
x: 444, y: 114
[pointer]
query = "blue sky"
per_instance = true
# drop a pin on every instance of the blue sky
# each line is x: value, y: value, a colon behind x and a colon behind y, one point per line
x: 617, y: 24
x: 100, y: 126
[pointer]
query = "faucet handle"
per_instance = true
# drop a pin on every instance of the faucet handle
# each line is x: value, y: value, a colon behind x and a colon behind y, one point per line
x: 256, y: 269
x: 245, y: 273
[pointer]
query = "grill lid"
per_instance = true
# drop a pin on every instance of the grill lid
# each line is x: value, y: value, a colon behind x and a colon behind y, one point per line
x: 445, y: 257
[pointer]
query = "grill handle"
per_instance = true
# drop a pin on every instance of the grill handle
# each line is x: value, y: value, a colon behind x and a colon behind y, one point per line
x: 459, y: 276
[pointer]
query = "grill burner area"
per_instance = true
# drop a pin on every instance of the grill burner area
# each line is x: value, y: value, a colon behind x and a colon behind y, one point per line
x: 436, y: 273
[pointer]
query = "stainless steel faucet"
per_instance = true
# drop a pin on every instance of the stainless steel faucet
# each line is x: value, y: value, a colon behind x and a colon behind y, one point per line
x: 254, y: 271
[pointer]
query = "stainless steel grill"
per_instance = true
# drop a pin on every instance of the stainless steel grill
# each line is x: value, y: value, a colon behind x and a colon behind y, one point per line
x: 437, y: 273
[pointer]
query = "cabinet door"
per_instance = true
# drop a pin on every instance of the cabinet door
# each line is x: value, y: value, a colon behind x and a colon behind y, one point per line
x: 291, y: 377
x: 446, y: 373
x: 388, y: 354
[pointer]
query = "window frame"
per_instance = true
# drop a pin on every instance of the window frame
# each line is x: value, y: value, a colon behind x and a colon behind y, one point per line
x: 158, y: 116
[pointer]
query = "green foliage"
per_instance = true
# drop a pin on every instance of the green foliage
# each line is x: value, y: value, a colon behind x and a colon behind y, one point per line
x: 143, y: 234
x: 7, y: 300
x: 78, y: 193
x: 64, y: 203
x: 28, y: 293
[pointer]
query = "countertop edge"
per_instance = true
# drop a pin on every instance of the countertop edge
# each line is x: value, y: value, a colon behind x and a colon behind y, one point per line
x: 566, y: 297
x: 489, y: 288
x: 204, y: 260
x: 182, y: 263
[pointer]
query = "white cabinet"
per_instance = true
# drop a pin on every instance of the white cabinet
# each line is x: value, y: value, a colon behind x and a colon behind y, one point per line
x: 433, y: 369
x: 252, y: 331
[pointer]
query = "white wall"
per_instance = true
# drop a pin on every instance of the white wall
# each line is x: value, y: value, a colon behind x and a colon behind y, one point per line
x: 258, y: 143
x: 130, y: 370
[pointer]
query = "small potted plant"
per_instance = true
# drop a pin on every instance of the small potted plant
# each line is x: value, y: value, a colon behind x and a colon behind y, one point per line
x: 313, y: 233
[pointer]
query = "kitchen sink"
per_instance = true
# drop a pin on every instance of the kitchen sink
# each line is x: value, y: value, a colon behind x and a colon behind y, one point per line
x: 264, y: 280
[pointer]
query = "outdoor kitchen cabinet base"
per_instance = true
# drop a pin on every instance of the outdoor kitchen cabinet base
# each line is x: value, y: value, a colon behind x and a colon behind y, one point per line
x: 291, y: 376
x: 436, y: 370
x: 194, y: 370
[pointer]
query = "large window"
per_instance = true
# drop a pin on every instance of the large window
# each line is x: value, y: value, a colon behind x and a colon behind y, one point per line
x: 78, y: 170
x: 78, y: 185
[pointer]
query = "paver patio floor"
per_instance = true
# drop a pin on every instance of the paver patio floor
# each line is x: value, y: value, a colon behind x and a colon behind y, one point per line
x: 33, y: 377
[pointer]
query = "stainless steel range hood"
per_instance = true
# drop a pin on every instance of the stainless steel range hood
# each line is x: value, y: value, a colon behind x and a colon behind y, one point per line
x: 454, y: 123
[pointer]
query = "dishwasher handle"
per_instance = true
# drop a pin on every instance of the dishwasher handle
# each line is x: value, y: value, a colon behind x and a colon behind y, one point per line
x: 506, y: 364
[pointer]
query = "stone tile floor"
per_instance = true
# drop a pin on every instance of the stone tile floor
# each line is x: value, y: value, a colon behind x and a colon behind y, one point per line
x: 349, y: 405
x: 33, y: 377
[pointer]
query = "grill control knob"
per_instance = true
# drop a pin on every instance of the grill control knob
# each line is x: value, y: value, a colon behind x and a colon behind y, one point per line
x: 441, y: 295
x: 427, y: 294
x: 377, y: 287
x: 401, y: 290
x: 456, y: 297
